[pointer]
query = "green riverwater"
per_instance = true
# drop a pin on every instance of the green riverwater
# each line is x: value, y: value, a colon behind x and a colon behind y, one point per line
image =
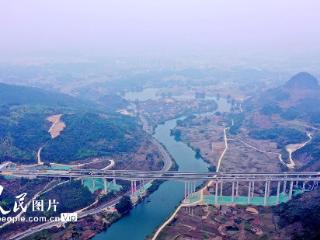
x: 154, y: 210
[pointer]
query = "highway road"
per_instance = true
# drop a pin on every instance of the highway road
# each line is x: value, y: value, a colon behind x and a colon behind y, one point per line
x: 167, y: 160
x: 49, y: 225
x: 153, y: 175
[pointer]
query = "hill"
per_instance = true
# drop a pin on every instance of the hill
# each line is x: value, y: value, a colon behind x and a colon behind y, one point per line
x: 302, y: 80
x: 17, y: 95
x: 300, y: 217
x: 91, y: 135
x: 298, y: 98
x: 284, y: 114
x: 89, y: 131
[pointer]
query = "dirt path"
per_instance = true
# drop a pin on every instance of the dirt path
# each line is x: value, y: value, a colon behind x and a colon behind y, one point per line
x: 291, y: 148
x: 253, y: 147
x: 225, y: 148
x: 39, y: 162
x: 155, y: 236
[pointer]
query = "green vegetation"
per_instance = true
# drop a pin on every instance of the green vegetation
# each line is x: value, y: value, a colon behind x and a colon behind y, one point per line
x: 270, y: 109
x: 198, y: 153
x: 23, y: 130
x: 282, y: 136
x: 176, y: 133
x: 92, y: 135
x: 303, y: 209
x: 71, y: 196
x: 187, y: 121
x: 89, y: 132
x: 43, y: 235
x: 18, y: 95
x: 124, y: 206
x: 290, y: 114
x: 315, y: 118
x: 237, y: 119
x: 23, y: 124
x: 212, y: 168
x: 303, y: 80
x: 311, y: 151
x: 107, y: 197
x: 113, y: 102
x: 278, y: 94
x: 306, y: 109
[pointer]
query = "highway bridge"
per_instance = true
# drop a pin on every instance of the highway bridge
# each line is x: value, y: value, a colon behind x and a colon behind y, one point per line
x: 224, y: 187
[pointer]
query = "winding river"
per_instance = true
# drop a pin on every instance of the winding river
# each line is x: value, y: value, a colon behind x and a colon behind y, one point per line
x: 156, y: 208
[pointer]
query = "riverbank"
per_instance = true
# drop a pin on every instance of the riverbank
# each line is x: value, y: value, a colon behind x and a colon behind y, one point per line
x: 156, y: 208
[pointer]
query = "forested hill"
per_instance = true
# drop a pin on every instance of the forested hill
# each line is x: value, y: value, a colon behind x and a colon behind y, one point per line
x: 91, y: 135
x: 90, y: 130
x: 284, y: 114
x: 17, y: 95
x: 302, y: 80
x: 298, y: 98
x: 300, y: 217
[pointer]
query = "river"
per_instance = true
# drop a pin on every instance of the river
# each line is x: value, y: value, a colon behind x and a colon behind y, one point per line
x: 156, y: 208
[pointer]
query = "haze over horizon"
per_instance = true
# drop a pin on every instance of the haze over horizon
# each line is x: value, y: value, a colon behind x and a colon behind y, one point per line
x: 167, y: 28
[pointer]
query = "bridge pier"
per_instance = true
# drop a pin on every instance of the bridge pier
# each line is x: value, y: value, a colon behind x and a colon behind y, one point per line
x: 273, y: 183
x: 291, y: 189
x: 252, y: 190
x: 249, y: 192
x: 105, y: 185
x: 216, y: 193
x: 303, y: 186
x: 232, y: 192
x: 186, y: 189
x: 265, y: 193
x: 221, y: 189
x: 189, y: 188
x: 93, y: 184
x: 278, y: 192
x: 142, y: 185
x: 193, y: 187
x: 284, y: 186
x: 133, y: 187
x: 237, y: 189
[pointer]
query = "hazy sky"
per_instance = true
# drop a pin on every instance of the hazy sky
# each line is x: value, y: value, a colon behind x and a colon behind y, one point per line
x: 158, y: 26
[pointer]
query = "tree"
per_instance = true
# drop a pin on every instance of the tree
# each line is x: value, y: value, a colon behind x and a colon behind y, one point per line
x: 125, y: 205
x: 198, y: 153
x: 177, y: 134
